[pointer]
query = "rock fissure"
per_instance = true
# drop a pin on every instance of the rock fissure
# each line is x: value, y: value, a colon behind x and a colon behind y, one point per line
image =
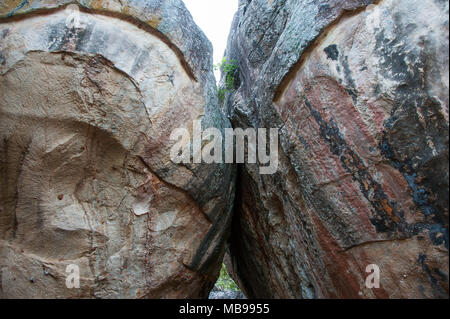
x: 357, y: 88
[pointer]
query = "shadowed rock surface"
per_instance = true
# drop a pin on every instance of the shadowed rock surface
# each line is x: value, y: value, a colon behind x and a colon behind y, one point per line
x: 359, y: 90
x: 86, y: 113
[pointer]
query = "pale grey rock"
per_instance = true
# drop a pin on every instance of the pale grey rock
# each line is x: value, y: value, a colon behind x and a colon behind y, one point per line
x: 86, y: 114
x: 230, y: 295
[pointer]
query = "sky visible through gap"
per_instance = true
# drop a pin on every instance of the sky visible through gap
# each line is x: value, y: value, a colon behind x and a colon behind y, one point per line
x: 214, y: 17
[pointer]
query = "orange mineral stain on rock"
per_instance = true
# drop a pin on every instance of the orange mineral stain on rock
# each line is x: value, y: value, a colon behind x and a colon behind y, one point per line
x: 387, y: 208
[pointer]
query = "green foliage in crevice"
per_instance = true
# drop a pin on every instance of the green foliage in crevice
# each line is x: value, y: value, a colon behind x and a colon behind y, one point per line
x: 229, y: 68
x: 225, y: 282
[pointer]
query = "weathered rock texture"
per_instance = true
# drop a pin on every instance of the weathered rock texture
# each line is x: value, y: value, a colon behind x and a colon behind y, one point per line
x: 359, y: 90
x: 86, y: 112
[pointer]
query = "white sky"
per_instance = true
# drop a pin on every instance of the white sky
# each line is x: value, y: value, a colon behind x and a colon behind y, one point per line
x: 214, y: 17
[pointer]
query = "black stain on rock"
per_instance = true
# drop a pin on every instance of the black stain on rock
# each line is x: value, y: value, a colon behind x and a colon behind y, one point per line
x: 83, y: 38
x: 416, y: 134
x: 325, y: 10
x: 353, y: 94
x: 387, y: 218
x: 4, y: 33
x: 56, y: 37
x: 63, y: 38
x: 350, y: 82
x: 348, y: 73
x: 20, y: 6
x: 435, y: 282
x: 332, y: 52
x: 2, y: 58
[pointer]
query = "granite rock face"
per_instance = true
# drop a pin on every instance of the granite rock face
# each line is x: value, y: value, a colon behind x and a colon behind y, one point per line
x: 359, y: 91
x: 218, y: 294
x: 87, y: 106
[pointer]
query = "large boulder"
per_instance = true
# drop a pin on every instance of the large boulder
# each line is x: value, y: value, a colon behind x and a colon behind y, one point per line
x: 359, y: 91
x: 89, y: 96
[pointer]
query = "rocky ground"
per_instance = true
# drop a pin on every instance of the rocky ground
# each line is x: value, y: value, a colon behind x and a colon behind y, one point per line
x: 218, y: 293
